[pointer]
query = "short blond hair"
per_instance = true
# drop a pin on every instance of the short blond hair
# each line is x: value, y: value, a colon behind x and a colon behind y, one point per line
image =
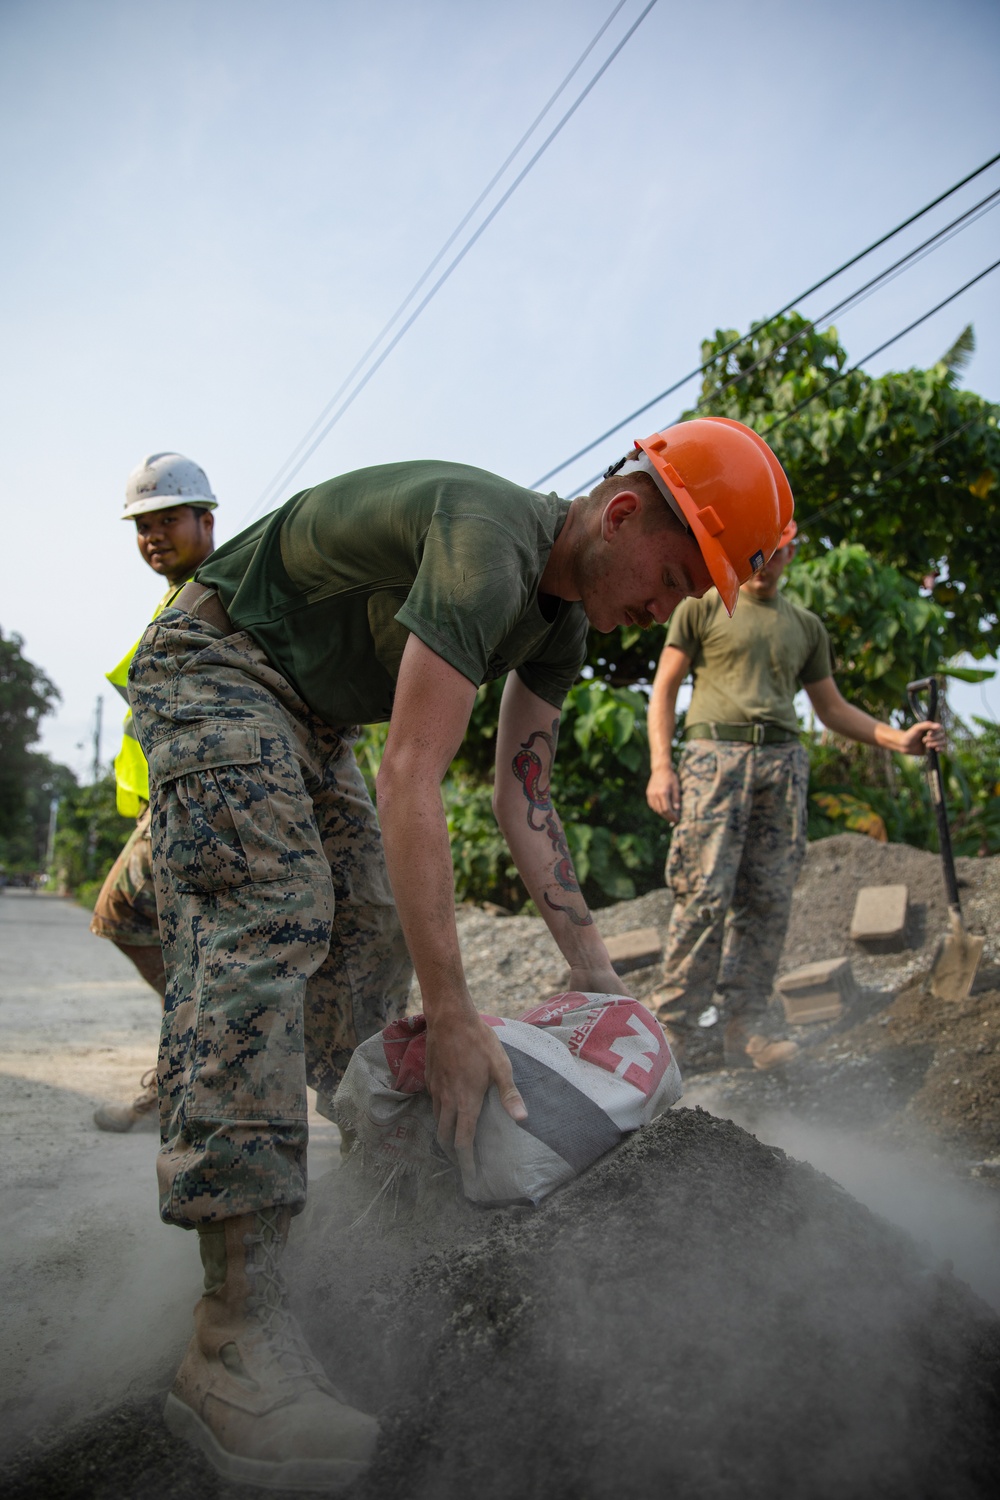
x: 658, y: 516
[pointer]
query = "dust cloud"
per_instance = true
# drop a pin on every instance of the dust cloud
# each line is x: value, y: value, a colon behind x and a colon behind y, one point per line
x: 957, y: 1222
x: 89, y: 1318
x: 698, y: 1315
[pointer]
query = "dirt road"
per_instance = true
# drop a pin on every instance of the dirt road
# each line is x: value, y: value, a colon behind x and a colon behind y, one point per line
x: 91, y: 1283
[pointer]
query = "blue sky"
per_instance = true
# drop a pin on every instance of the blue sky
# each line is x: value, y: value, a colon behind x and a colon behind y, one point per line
x: 212, y: 209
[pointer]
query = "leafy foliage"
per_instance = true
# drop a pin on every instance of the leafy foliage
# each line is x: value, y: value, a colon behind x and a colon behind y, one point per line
x: 23, y: 851
x: 972, y: 781
x: 886, y: 632
x: 29, y: 781
x: 907, y: 464
x: 89, y: 834
x: 26, y: 696
x: 853, y: 786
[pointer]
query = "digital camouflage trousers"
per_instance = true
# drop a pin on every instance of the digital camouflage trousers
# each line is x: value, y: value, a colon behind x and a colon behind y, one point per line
x: 733, y: 862
x: 281, y: 941
x: 125, y: 910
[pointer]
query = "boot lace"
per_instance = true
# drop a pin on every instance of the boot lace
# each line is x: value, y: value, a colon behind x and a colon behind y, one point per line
x: 149, y: 1098
x: 268, y: 1304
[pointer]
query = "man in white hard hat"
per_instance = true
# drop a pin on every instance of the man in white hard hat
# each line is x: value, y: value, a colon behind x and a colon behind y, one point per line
x: 171, y: 503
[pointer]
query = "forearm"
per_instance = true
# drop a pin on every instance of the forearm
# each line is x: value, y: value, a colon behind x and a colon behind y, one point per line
x: 418, y: 860
x: 663, y: 789
x: 671, y: 671
x: 662, y: 722
x: 855, y: 724
x: 535, y: 836
x: 537, y: 841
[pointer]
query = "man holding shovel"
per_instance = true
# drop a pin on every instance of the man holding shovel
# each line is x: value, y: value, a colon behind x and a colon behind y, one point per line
x: 390, y: 593
x: 738, y: 798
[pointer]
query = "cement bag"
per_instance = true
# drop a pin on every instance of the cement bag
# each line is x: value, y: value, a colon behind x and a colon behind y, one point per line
x: 591, y: 1068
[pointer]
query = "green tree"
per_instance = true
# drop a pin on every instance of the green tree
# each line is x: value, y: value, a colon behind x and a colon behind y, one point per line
x: 26, y: 696
x: 89, y: 835
x: 886, y: 631
x: 24, y: 850
x: 905, y: 464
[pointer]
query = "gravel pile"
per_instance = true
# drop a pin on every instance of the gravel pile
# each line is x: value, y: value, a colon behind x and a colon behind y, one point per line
x: 698, y: 1316
x: 512, y: 963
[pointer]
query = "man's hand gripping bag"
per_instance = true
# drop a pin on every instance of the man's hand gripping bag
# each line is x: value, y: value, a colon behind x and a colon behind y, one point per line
x: 590, y: 1068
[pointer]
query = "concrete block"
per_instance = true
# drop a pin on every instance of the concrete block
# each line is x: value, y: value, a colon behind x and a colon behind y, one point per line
x: 629, y: 950
x: 879, y: 921
x: 817, y: 992
x: 634, y: 950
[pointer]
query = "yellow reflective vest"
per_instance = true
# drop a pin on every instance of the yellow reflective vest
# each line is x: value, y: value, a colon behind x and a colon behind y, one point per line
x: 131, y: 770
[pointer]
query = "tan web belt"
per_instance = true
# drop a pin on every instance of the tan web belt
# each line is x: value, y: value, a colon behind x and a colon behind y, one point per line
x: 751, y: 734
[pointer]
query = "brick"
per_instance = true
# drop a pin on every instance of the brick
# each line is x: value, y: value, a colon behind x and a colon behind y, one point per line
x: 629, y: 950
x: 634, y: 950
x: 818, y: 991
x: 879, y: 921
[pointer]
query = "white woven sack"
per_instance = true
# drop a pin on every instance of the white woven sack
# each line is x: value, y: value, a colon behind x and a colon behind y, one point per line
x: 591, y: 1068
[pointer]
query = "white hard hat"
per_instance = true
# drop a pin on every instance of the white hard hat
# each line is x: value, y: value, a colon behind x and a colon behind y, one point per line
x: 165, y: 479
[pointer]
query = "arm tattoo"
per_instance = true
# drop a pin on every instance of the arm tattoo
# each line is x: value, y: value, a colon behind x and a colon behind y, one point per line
x: 527, y: 767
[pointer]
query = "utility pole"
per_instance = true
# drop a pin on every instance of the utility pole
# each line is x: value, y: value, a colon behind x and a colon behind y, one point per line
x: 98, y: 713
x: 50, y: 843
x: 96, y: 768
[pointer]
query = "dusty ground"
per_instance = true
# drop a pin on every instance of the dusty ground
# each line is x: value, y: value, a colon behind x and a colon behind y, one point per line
x: 699, y: 1315
x: 90, y: 1281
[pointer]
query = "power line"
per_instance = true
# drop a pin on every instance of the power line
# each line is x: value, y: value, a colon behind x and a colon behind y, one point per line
x: 911, y: 258
x: 277, y: 479
x: 294, y: 464
x: 843, y: 374
x: 759, y: 327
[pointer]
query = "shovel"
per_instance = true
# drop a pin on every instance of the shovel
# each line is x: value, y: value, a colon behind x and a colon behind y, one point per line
x: 957, y: 959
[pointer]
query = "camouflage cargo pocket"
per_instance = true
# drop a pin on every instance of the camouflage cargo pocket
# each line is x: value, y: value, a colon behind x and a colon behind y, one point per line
x: 700, y: 775
x: 699, y: 771
x: 213, y: 825
x: 678, y: 863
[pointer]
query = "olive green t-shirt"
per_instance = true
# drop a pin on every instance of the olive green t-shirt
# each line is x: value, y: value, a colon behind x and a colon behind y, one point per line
x: 748, y: 669
x: 332, y: 583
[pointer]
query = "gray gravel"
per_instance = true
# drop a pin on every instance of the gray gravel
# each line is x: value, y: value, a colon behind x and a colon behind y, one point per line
x: 512, y: 963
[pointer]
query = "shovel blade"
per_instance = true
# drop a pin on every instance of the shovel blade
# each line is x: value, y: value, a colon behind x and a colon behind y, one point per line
x: 954, y: 970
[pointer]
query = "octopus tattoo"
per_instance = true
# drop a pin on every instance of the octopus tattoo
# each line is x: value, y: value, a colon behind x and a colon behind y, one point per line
x: 530, y: 772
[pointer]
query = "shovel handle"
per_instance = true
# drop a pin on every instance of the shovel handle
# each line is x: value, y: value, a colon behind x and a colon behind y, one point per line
x: 928, y: 685
x: 914, y: 690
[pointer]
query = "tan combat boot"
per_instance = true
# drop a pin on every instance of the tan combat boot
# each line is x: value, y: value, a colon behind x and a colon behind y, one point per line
x: 121, y: 1117
x: 249, y: 1393
x: 745, y: 1049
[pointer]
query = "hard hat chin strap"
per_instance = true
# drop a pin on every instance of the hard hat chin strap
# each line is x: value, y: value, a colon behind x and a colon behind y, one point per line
x: 640, y: 464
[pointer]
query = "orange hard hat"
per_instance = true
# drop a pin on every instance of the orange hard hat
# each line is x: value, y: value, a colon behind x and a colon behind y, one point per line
x: 730, y: 491
x: 788, y: 536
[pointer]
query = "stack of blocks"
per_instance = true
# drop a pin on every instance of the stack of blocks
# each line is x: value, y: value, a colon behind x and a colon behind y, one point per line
x: 819, y: 991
